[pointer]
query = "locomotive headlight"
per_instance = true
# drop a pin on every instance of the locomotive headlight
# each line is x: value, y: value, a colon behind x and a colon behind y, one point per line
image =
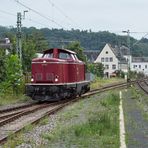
x: 44, y: 61
x: 56, y: 79
x: 32, y: 79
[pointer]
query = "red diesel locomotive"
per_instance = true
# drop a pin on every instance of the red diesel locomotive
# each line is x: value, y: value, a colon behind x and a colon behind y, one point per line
x: 59, y: 74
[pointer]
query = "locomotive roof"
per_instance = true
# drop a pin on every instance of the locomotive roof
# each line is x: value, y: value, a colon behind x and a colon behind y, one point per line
x: 66, y: 50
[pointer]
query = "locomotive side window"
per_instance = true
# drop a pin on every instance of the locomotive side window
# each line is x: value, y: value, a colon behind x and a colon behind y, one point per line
x: 63, y: 55
x: 48, y: 55
x: 73, y: 56
x: 76, y: 57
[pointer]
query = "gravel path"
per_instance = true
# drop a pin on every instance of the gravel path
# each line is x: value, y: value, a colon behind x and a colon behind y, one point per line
x: 135, y: 124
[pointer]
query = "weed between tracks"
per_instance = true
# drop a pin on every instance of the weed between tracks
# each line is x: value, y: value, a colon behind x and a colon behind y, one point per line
x: 89, y: 123
x: 6, y: 99
x: 99, y: 82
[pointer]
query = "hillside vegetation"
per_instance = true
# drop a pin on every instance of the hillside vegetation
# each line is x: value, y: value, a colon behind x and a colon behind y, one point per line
x: 89, y: 40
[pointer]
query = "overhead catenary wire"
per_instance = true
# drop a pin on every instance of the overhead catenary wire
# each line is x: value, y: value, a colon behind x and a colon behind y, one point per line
x: 38, y: 13
x: 140, y: 39
x: 8, y: 13
x: 28, y: 19
x: 63, y: 13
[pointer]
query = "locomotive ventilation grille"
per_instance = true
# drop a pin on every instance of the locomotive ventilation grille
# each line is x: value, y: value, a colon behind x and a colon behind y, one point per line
x: 39, y: 77
x: 50, y: 76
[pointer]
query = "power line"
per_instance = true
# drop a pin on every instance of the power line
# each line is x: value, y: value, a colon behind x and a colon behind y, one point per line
x: 140, y: 39
x: 40, y: 14
x: 62, y: 12
x: 29, y: 19
x: 8, y: 13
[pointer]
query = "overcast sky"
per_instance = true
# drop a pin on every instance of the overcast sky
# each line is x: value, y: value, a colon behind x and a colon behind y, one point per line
x: 97, y: 15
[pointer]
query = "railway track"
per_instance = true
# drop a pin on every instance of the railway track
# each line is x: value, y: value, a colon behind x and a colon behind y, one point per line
x: 143, y: 85
x: 14, y: 120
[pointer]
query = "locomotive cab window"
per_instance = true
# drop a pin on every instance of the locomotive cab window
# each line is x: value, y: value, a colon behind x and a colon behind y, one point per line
x: 76, y: 57
x: 48, y: 55
x: 64, y: 55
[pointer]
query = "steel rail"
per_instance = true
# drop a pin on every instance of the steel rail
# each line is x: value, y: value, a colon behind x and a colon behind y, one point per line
x: 142, y: 87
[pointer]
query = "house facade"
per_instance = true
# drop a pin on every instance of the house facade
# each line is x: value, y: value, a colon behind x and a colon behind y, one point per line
x: 112, y: 60
x: 109, y: 60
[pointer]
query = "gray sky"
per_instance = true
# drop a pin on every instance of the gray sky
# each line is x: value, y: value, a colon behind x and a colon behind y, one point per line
x: 97, y: 15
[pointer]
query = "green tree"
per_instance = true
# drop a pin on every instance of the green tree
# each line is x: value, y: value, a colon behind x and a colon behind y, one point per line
x: 76, y: 47
x: 13, y: 73
x: 2, y: 65
x: 97, y: 69
x: 32, y: 44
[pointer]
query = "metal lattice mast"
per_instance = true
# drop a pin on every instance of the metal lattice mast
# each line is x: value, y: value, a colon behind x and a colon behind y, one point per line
x: 19, y: 36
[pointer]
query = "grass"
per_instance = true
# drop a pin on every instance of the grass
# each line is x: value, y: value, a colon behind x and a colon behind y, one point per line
x: 99, y: 82
x: 6, y: 99
x: 142, y: 101
x: 17, y: 139
x: 91, y: 123
x: 14, y: 141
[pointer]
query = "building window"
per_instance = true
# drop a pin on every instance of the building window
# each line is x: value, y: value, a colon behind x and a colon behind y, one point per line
x: 113, y: 66
x: 145, y: 66
x: 111, y: 59
x: 106, y: 59
x: 106, y: 52
x: 134, y: 66
x: 106, y: 66
x: 140, y: 66
x: 102, y: 59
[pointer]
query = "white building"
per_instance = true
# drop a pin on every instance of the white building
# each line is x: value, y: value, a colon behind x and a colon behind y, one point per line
x: 112, y: 59
x: 139, y: 64
x: 120, y: 59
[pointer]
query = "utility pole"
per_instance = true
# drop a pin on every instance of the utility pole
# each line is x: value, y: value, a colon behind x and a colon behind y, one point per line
x: 19, y: 34
x: 128, y: 39
x: 129, y: 56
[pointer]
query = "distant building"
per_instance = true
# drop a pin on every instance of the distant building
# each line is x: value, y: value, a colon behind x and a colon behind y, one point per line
x: 139, y: 64
x: 91, y: 55
x: 120, y: 59
x: 5, y: 44
x: 113, y: 59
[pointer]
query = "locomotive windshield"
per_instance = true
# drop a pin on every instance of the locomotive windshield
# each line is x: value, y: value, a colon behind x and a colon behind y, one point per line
x: 63, y: 55
x: 48, y: 55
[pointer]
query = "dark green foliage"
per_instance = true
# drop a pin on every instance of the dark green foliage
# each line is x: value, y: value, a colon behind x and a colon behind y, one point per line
x: 2, y: 65
x: 89, y: 40
x: 97, y: 69
x: 32, y: 43
x: 13, y: 73
x: 76, y: 47
x: 135, y: 75
x: 13, y: 79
